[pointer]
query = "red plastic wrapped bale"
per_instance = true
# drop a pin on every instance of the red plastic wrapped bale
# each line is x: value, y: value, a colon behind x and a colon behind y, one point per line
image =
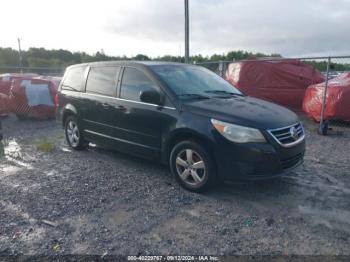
x: 337, y: 99
x: 4, y: 105
x: 55, y: 79
x: 33, y: 98
x: 5, y: 84
x: 5, y: 87
x: 6, y: 81
x: 282, y: 81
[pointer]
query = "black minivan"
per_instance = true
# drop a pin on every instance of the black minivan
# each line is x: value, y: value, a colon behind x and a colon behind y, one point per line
x: 181, y: 115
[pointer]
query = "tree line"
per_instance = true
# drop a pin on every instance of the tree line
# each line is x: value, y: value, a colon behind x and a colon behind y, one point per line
x: 40, y: 57
x: 59, y: 59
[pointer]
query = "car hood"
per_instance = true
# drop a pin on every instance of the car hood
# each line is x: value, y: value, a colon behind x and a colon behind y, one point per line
x: 245, y: 111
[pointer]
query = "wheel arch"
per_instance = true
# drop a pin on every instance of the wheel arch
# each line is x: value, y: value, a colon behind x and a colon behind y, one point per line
x: 68, y: 110
x: 183, y: 135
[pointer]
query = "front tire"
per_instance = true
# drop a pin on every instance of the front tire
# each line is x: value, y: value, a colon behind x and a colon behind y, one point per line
x: 74, y: 136
x: 192, y: 166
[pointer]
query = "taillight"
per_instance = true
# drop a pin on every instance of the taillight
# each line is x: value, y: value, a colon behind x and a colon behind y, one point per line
x: 56, y: 101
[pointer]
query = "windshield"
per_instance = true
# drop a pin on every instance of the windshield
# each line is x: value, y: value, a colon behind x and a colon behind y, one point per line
x: 194, y: 82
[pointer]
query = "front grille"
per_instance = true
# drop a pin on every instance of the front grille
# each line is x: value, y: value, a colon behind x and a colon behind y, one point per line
x: 288, y: 136
x: 291, y: 161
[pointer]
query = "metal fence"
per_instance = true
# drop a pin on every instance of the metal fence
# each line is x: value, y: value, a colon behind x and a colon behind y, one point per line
x: 38, y: 70
x: 332, y: 119
x: 218, y: 67
x: 331, y: 95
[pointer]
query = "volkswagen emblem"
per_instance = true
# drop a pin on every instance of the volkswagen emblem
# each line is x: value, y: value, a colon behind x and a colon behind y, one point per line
x: 294, y: 133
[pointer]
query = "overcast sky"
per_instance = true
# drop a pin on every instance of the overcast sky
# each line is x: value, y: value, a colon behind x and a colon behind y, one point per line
x: 155, y: 27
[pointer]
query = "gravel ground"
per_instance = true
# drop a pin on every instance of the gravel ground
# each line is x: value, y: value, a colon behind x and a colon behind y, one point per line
x: 58, y: 201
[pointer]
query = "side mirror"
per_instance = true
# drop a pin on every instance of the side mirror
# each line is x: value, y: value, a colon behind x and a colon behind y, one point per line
x: 151, y: 96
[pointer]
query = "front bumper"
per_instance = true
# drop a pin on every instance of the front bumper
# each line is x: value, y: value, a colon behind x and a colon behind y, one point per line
x: 254, y: 161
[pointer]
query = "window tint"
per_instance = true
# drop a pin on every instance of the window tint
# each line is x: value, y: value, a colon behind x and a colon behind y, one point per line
x: 187, y: 80
x: 134, y: 81
x: 102, y: 80
x: 73, y: 78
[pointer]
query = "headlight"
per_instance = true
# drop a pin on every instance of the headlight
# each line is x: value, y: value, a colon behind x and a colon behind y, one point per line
x: 238, y: 134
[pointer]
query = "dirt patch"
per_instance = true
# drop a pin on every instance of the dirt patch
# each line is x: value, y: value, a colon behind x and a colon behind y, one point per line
x: 103, y: 201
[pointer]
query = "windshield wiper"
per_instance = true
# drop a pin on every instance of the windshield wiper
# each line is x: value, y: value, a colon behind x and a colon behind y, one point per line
x: 195, y: 96
x: 223, y: 92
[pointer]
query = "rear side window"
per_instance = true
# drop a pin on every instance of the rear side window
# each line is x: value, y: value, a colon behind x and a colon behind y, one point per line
x: 103, y: 80
x: 134, y: 81
x: 73, y: 78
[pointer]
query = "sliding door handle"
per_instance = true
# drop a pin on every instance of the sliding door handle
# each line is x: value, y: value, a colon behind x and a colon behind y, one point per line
x: 105, y: 105
x: 121, y: 108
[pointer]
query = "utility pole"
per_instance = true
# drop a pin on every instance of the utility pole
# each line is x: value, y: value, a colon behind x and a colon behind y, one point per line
x: 187, y: 33
x: 20, y: 54
x: 323, y: 129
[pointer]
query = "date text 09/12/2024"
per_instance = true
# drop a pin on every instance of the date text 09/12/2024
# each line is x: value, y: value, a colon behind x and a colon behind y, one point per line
x: 173, y: 258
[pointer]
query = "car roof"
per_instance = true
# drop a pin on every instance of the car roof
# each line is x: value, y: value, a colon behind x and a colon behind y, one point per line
x: 130, y: 63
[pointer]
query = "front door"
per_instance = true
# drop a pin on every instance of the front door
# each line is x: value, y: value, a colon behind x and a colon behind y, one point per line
x: 137, y: 125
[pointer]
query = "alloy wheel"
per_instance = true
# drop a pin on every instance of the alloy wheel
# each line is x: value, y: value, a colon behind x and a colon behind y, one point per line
x: 73, y: 133
x: 191, y: 167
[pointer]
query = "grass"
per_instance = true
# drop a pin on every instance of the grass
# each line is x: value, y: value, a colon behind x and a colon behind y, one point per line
x: 2, y: 150
x: 60, y: 135
x: 45, y: 146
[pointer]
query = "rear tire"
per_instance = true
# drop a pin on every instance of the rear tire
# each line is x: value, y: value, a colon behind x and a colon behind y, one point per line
x: 73, y: 134
x: 193, y: 166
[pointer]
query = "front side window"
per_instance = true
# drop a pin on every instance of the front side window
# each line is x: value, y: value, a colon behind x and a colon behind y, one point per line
x: 103, y: 80
x: 73, y: 78
x: 133, y: 83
